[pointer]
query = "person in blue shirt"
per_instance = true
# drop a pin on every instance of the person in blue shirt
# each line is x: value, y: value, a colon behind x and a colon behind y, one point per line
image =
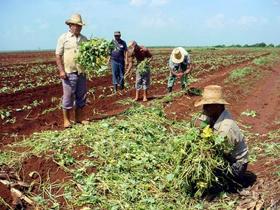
x: 180, y: 66
x: 118, y: 61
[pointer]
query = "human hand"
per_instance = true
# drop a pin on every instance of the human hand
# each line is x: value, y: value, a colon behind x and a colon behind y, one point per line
x: 62, y: 75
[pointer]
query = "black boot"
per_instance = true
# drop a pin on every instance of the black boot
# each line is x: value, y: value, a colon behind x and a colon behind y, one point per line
x: 122, y: 86
x: 169, y: 89
x: 115, y: 88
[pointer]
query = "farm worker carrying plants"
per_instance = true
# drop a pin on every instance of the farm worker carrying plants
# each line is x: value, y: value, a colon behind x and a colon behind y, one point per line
x: 180, y: 66
x: 72, y: 75
x: 118, y: 61
x: 220, y: 121
x: 143, y: 58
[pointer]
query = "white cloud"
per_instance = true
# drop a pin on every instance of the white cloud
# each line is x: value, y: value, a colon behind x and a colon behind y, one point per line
x: 137, y: 2
x: 157, y: 21
x: 249, y: 21
x: 217, y: 21
x: 152, y: 3
x: 159, y: 2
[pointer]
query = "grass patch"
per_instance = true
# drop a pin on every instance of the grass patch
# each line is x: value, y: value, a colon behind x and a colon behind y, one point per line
x: 240, y: 73
x: 261, y: 61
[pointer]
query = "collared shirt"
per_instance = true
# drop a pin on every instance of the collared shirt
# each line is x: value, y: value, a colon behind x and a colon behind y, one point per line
x: 180, y: 66
x: 68, y: 47
x: 227, y: 127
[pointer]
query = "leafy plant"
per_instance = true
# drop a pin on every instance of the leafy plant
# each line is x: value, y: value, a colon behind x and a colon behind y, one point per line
x: 249, y: 113
x: 93, y: 55
x: 144, y: 66
x: 240, y: 73
x: 203, y: 154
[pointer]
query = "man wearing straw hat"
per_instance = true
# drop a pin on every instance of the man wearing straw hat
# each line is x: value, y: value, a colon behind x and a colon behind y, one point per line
x: 180, y: 66
x: 220, y: 120
x: 72, y: 75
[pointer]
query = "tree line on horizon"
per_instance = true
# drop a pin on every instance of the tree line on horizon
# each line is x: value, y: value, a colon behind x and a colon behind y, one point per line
x: 261, y: 44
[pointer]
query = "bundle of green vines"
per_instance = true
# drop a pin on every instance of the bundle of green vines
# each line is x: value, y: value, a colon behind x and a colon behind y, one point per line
x: 144, y: 66
x: 201, y: 164
x: 93, y: 55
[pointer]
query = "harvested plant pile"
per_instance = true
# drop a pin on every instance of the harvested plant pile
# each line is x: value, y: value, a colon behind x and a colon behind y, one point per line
x: 141, y: 161
x: 93, y: 55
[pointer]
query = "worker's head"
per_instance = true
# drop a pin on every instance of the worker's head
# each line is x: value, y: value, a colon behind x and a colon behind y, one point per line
x: 75, y: 23
x: 212, y: 100
x: 178, y: 55
x: 117, y: 35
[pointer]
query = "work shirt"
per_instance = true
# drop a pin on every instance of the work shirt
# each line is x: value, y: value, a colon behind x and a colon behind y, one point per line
x: 119, y: 52
x: 180, y: 67
x: 68, y: 47
x: 226, y: 127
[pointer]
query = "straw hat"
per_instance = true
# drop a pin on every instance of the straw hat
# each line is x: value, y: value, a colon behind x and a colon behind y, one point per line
x: 75, y: 19
x: 178, y: 55
x: 212, y: 94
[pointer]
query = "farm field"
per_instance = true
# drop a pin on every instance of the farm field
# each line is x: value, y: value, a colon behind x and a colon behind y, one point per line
x: 87, y: 166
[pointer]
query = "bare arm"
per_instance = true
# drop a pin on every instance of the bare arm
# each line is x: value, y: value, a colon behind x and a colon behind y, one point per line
x: 59, y: 62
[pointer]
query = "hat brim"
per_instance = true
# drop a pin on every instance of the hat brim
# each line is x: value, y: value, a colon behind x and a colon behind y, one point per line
x: 204, y: 101
x: 175, y: 60
x: 68, y: 22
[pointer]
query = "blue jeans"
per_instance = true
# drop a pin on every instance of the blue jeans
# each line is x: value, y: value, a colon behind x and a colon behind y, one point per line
x: 117, y: 72
x: 74, y: 91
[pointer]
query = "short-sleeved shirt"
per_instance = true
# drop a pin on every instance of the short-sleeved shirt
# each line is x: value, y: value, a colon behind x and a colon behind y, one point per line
x: 119, y: 51
x: 177, y: 67
x: 227, y: 127
x: 68, y: 47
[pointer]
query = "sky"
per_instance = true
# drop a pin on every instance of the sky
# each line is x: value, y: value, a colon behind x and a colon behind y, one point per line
x: 37, y: 24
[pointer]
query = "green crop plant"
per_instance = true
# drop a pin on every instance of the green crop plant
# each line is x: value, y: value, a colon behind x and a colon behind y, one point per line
x: 201, y: 157
x: 93, y: 54
x: 144, y: 66
x: 249, y: 113
x: 240, y: 73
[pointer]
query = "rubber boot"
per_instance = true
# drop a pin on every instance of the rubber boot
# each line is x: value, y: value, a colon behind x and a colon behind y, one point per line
x: 145, y: 95
x: 79, y: 116
x: 122, y: 86
x: 66, y: 118
x: 169, y: 89
x: 115, y: 88
x: 136, y: 95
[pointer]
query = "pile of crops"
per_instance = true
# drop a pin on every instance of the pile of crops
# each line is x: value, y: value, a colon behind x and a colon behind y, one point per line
x: 142, y: 160
x: 201, y: 159
x: 93, y: 55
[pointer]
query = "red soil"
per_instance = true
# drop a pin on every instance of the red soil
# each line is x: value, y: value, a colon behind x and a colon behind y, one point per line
x: 262, y: 96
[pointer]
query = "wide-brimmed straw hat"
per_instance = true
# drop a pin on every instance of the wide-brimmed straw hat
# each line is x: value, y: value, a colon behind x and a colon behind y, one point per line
x: 75, y: 19
x: 178, y: 55
x: 212, y: 94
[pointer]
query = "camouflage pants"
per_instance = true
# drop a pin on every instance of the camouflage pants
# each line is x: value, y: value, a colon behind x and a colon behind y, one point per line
x: 172, y: 78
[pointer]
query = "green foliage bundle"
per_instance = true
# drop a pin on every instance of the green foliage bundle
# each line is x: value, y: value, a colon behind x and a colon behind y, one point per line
x: 201, y: 158
x: 144, y: 66
x: 93, y: 54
